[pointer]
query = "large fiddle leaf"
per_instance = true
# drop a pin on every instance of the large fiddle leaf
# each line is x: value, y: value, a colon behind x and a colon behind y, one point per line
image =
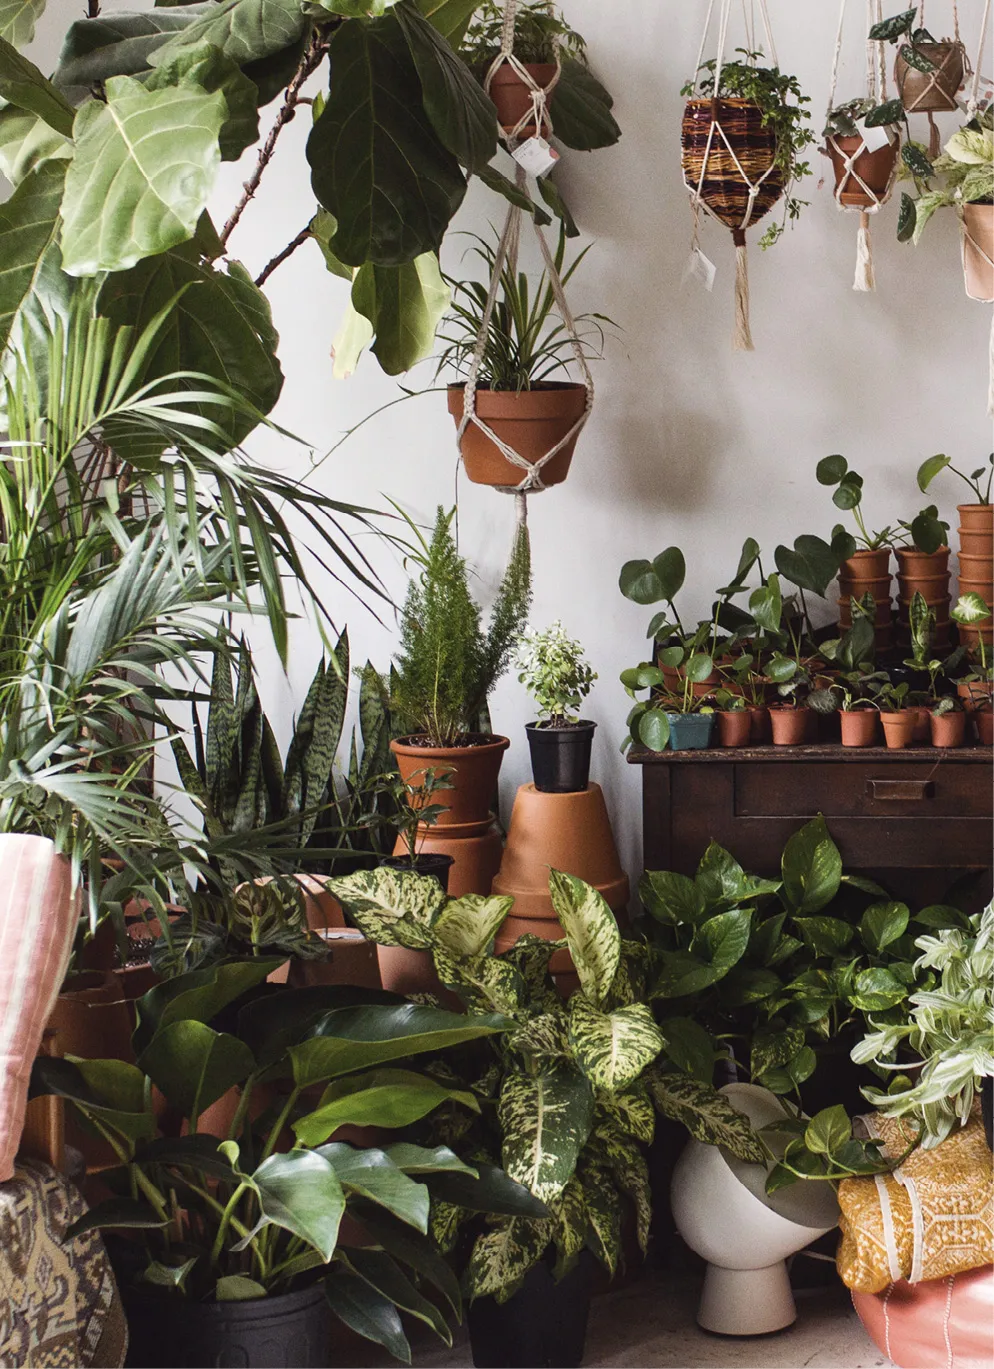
x: 612, y: 1049
x: 545, y: 1120
x: 144, y: 167
x: 18, y: 18
x: 23, y: 85
x: 245, y: 30
x: 403, y: 306
x: 219, y: 325
x: 32, y: 284
x: 376, y: 162
x: 591, y: 932
x: 450, y: 17
x: 211, y: 69
x: 120, y: 44
x: 581, y: 109
x: 27, y: 142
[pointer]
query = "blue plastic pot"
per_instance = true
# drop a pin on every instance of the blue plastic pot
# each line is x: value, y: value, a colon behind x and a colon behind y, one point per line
x: 690, y: 731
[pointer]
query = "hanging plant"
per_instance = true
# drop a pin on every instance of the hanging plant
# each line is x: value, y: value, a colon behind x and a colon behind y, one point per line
x: 928, y: 72
x: 744, y: 133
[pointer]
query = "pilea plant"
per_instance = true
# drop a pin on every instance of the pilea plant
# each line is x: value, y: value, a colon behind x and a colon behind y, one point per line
x: 979, y: 481
x: 568, y: 1103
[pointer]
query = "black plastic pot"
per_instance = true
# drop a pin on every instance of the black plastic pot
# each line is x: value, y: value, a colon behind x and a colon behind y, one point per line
x: 561, y: 757
x: 543, y: 1324
x: 291, y: 1331
x: 428, y: 863
x: 987, y: 1108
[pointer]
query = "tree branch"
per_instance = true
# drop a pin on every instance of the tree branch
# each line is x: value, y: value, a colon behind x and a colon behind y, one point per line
x: 281, y: 257
x: 309, y: 63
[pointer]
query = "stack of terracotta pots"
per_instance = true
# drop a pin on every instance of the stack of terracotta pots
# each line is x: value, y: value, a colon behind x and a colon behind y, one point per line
x: 927, y: 574
x: 868, y: 572
x: 568, y: 832
x: 976, y: 563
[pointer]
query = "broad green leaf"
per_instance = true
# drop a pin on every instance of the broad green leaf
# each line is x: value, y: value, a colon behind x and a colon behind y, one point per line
x: 688, y: 1045
x: 612, y: 1049
x: 381, y: 1098
x: 238, y: 1288
x: 144, y: 168
x: 193, y: 1065
x: 581, y: 109
x: 116, y: 1084
x: 369, y: 1173
x: 323, y: 229
x: 246, y: 30
x: 23, y: 85
x: 772, y: 1048
x: 27, y: 142
x: 699, y: 667
x: 707, y: 1114
x: 811, y: 867
x: 414, y: 1250
x: 671, y: 898
x: 591, y: 932
x: 811, y: 565
x: 212, y: 70
x: 654, y: 729
x: 119, y: 44
x: 450, y: 17
x: 355, y: 333
x: 828, y: 1130
x: 69, y: 1078
x: 376, y: 163
x: 414, y: 1159
x: 17, y: 20
x: 503, y: 1255
x: 460, y: 113
x: 639, y: 582
x: 502, y: 185
x: 383, y: 1274
x: 32, y: 285
x: 766, y: 604
x: 831, y: 469
x: 553, y: 197
x: 127, y: 1213
x: 569, y: 1216
x: 404, y: 305
x: 825, y: 935
x: 788, y: 1078
x: 721, y: 941
x: 467, y: 926
x: 198, y: 995
x: 351, y: 9
x: 545, y: 1120
x: 367, y: 1312
x: 358, y: 1038
x: 391, y: 907
x: 492, y: 1191
x: 883, y: 923
x: 725, y: 884
x: 877, y: 989
x: 300, y: 1192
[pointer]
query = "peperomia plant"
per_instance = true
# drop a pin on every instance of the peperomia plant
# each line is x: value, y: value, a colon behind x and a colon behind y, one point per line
x: 568, y: 1099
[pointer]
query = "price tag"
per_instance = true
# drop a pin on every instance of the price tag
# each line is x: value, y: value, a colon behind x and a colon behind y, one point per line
x: 874, y: 138
x: 536, y: 156
x: 699, y: 268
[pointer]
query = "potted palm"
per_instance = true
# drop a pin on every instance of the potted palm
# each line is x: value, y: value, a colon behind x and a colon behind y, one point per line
x: 551, y: 666
x: 445, y: 669
x: 526, y: 345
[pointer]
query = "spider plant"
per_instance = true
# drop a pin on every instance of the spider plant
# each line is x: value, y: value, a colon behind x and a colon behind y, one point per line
x: 526, y: 341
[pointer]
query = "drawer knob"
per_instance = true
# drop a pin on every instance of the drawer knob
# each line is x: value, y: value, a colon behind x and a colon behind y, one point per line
x: 900, y: 791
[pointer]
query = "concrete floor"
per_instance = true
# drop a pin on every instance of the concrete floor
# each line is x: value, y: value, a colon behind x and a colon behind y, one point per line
x: 651, y: 1323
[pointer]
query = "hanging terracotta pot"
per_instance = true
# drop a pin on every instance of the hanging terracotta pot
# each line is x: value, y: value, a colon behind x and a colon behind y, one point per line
x: 790, y: 726
x: 734, y: 727
x: 925, y: 92
x: 874, y: 169
x: 858, y: 727
x: 898, y: 728
x: 512, y: 97
x: 978, y: 251
x: 568, y: 832
x: 530, y: 422
x: 948, y: 729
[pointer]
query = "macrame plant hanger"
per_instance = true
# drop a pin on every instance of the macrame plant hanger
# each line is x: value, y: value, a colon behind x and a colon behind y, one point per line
x: 507, y: 253
x: 934, y: 87
x: 968, y: 240
x: 876, y: 91
x: 719, y: 142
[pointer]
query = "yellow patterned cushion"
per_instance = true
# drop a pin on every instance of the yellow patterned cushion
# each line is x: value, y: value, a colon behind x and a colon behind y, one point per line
x: 934, y: 1216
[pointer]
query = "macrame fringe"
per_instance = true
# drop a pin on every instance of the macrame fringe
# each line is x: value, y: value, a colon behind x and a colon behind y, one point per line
x: 742, y: 337
x: 520, y: 509
x: 864, y: 279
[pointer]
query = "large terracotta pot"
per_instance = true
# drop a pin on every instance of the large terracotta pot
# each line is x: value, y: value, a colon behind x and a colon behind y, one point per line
x: 513, y: 98
x: 927, y: 91
x: 934, y: 1324
x: 976, y: 568
x: 874, y: 169
x: 568, y: 832
x: 921, y: 732
x: 978, y: 251
x: 91, y: 1017
x: 475, y: 769
x: 530, y: 422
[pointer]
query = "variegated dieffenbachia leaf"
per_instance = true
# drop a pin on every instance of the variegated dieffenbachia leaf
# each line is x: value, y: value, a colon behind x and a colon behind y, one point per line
x: 604, y: 1214
x: 503, y: 1255
x: 467, y: 926
x: 530, y: 955
x: 613, y: 1048
x: 629, y: 1112
x: 591, y: 932
x: 631, y: 982
x: 542, y: 1038
x: 631, y: 1174
x: 391, y: 907
x: 707, y: 1114
x: 482, y: 981
x: 545, y: 1120
x: 444, y: 1223
x: 569, y: 1223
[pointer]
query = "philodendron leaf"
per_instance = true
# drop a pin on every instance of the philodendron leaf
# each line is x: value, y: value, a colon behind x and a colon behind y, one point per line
x: 376, y: 163
x: 591, y: 932
x: 144, y: 167
x: 970, y: 608
x: 381, y: 1098
x: 198, y: 995
x: 193, y: 1065
x: 238, y: 1288
x: 367, y: 1312
x: 503, y: 1255
x: 612, y: 1049
x: 300, y: 1192
x: 467, y: 926
x: 707, y: 1114
x: 18, y: 18
x: 545, y: 1120
x: 212, y: 70
x: 369, y: 1173
x: 403, y: 305
x: 23, y: 85
x: 391, y: 907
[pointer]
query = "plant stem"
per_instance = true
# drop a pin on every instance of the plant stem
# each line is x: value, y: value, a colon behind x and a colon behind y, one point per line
x: 222, y: 1226
x: 281, y: 257
x: 309, y: 63
x: 242, y: 1108
x: 274, y: 1135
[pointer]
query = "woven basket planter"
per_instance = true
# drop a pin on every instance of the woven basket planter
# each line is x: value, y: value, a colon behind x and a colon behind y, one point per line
x: 723, y: 189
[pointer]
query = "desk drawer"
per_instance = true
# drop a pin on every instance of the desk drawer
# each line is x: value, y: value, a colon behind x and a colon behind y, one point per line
x: 895, y: 791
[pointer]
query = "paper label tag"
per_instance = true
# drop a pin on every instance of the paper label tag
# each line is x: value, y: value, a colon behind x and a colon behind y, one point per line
x: 873, y: 138
x: 699, y: 268
x: 536, y: 156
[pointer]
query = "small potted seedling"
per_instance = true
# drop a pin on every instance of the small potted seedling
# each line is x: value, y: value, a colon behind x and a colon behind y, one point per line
x: 898, y: 719
x: 851, y: 694
x: 947, y: 720
x: 734, y: 718
x: 412, y: 818
x: 862, y: 174
x: 976, y: 688
x: 789, y: 718
x: 550, y: 665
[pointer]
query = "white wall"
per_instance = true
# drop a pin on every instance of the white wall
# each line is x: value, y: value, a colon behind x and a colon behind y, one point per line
x: 689, y: 443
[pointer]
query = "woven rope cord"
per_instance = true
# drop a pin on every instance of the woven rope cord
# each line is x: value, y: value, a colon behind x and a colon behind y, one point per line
x: 539, y: 113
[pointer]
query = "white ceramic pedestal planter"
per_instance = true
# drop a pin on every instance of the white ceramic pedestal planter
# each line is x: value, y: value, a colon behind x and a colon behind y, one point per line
x: 723, y: 1212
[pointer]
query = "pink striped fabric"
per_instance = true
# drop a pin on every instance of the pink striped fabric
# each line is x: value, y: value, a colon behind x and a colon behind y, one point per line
x: 37, y: 921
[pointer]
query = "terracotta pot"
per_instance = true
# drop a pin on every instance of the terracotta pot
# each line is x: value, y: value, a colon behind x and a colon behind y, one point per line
x: 475, y: 849
x: 921, y: 733
x: 976, y: 518
x: 790, y: 726
x: 352, y: 961
x: 475, y: 770
x: 568, y: 832
x: 925, y: 91
x: 976, y: 541
x: 734, y: 728
x: 913, y: 564
x: 530, y: 422
x: 948, y: 729
x: 867, y: 565
x: 898, y: 729
x: 975, y: 569
x: 975, y: 693
x: 859, y: 727
x: 91, y: 1017
x: 874, y: 169
x: 673, y: 677
x: 512, y: 97
x: 978, y: 251
x: 761, y: 729
x: 413, y: 972
x: 983, y: 720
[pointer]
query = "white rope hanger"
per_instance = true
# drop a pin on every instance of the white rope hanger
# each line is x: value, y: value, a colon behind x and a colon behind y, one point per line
x: 539, y: 95
x: 966, y: 237
x: 876, y: 90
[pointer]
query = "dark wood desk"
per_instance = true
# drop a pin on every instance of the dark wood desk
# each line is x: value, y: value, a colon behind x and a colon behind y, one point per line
x: 921, y: 809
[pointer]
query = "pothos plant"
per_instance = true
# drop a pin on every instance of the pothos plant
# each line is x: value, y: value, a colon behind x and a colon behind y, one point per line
x: 781, y: 101
x: 568, y: 1102
x: 780, y: 969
